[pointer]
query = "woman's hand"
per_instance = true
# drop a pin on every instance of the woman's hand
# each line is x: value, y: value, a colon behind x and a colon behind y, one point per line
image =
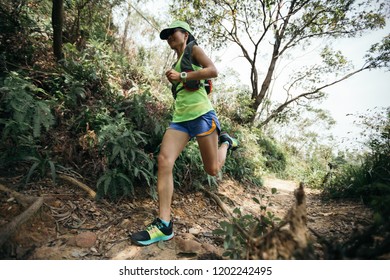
x: 209, y: 70
x: 173, y: 76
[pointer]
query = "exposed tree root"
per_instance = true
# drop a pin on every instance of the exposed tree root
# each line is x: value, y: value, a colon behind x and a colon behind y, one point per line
x: 10, y: 228
x: 220, y: 203
x: 33, y: 204
x: 79, y: 184
x: 22, y: 199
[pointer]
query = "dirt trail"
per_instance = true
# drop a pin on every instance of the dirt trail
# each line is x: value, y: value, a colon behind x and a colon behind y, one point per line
x: 71, y: 226
x: 332, y: 220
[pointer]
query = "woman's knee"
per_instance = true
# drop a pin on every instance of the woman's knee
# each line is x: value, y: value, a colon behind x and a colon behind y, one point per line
x: 212, y: 170
x: 165, y: 161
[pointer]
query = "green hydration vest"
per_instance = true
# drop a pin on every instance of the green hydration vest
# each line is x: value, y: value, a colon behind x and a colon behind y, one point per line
x: 187, y: 65
x: 191, y: 97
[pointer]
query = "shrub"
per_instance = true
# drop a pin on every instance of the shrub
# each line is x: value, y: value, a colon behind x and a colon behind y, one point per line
x: 127, y: 161
x: 24, y: 112
x: 275, y: 159
x: 242, y: 226
x: 370, y: 179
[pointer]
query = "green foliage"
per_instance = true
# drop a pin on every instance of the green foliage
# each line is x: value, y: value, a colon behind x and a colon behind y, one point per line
x: 301, y: 148
x: 114, y: 183
x: 368, y: 180
x: 89, y: 72
x: 108, y: 119
x: 242, y: 226
x: 25, y: 111
x: 235, y: 102
x: 310, y: 167
x: 275, y: 159
x: 126, y: 159
x: 379, y: 54
x: 40, y: 167
x: 148, y: 114
x: 22, y: 101
x: 19, y: 33
x: 379, y: 200
x: 89, y: 20
x: 243, y: 169
x: 333, y: 58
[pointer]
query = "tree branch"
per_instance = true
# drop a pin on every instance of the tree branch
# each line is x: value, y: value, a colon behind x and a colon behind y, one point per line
x: 281, y: 108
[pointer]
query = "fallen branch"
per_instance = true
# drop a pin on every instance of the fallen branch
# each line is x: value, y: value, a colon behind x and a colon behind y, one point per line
x: 79, y: 184
x: 222, y: 205
x: 12, y: 226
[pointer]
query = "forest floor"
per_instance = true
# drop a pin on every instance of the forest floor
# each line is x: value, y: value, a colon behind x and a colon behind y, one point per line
x: 70, y: 225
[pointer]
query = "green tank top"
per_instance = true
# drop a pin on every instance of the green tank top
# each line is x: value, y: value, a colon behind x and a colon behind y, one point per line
x: 190, y: 105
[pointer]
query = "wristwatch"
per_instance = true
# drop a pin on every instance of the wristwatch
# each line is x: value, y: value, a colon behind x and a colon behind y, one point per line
x: 183, y: 76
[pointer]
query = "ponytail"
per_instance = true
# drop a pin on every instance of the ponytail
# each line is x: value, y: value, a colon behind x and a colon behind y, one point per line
x: 190, y: 38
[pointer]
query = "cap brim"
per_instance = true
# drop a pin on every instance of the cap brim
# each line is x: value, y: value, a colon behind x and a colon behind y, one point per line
x: 165, y: 33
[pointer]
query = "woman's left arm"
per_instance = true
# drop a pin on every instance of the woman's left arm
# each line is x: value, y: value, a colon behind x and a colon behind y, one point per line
x: 209, y: 70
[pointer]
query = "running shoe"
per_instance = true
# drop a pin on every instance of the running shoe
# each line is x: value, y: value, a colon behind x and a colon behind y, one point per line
x: 225, y: 137
x: 153, y: 233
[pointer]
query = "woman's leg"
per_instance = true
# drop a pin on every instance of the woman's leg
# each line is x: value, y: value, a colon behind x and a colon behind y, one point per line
x: 212, y: 156
x: 172, y: 145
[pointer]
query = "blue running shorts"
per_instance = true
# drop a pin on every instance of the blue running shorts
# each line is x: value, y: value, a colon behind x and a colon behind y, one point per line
x: 201, y: 126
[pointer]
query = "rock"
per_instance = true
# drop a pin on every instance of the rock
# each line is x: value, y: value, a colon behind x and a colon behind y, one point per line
x: 78, y: 254
x: 187, y: 246
x: 125, y: 224
x: 123, y: 252
x: 86, y: 239
x: 210, y: 248
x: 194, y: 231
x: 187, y: 236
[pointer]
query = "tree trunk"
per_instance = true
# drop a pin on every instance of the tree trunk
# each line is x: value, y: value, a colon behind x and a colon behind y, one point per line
x: 259, y: 98
x: 57, y: 17
x: 126, y: 30
x: 279, y: 36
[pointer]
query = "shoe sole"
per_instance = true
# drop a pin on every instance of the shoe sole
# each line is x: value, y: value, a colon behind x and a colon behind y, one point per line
x: 149, y: 242
x: 235, y: 148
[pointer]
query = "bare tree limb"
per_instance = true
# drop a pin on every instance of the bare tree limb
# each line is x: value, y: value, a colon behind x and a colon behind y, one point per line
x: 279, y: 109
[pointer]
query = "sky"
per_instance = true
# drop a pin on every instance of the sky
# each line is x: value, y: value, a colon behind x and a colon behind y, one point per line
x: 358, y: 94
